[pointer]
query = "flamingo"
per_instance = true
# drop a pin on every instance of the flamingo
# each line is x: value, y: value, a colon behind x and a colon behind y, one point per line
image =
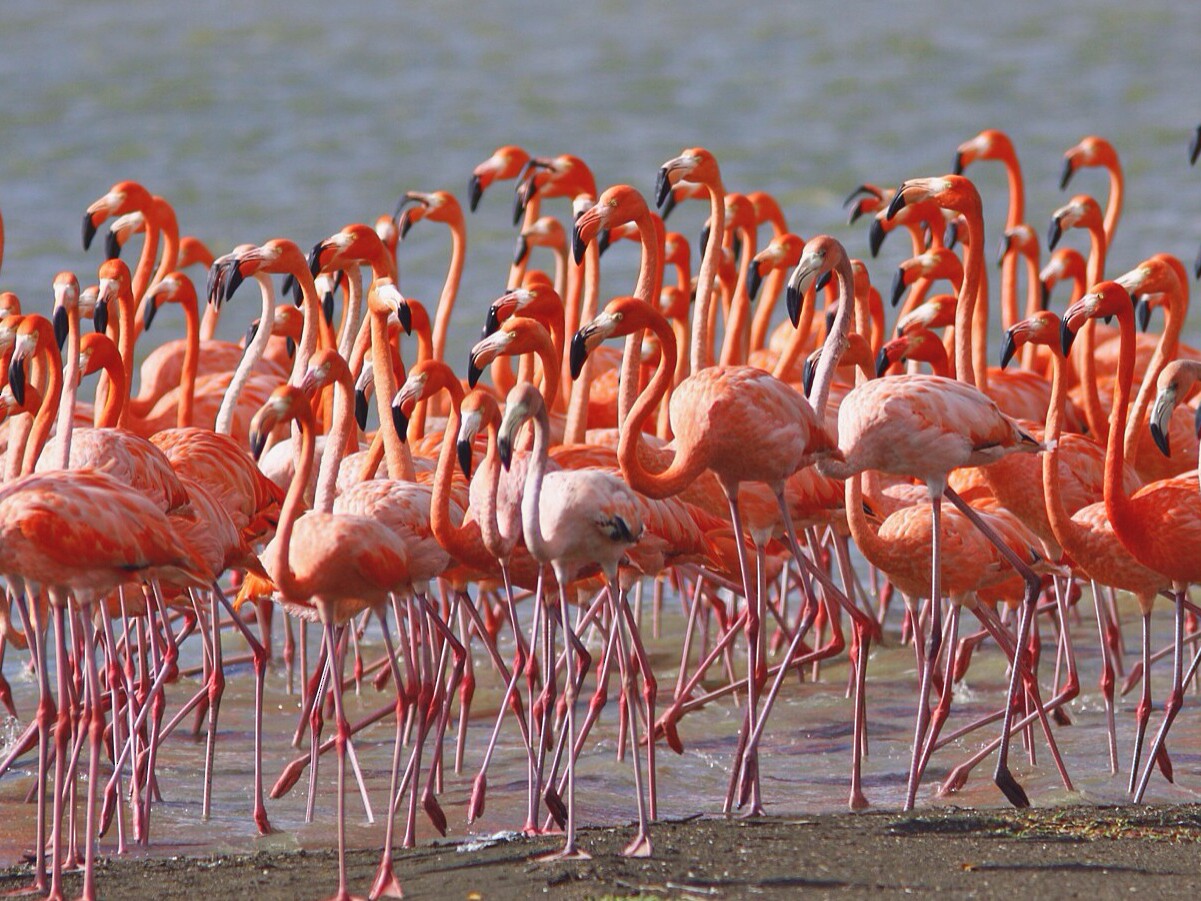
x: 1096, y: 151
x: 1159, y: 523
x: 337, y: 563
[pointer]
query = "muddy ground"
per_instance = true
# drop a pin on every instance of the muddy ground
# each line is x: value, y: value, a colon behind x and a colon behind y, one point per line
x: 1093, y: 852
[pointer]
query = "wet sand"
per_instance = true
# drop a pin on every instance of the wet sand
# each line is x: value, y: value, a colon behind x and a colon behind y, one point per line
x: 1094, y: 852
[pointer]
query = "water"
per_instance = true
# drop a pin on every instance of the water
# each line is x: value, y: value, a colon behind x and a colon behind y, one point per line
x: 294, y: 119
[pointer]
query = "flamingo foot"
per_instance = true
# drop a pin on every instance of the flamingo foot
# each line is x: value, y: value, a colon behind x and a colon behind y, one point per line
x: 672, y: 734
x: 262, y: 823
x: 434, y: 811
x: 956, y: 780
x: 288, y: 778
x: 478, y: 790
x: 386, y: 885
x: 639, y: 847
x: 1164, y: 762
x: 1010, y: 788
x: 1133, y: 678
x: 567, y: 852
x: 858, y: 801
x: 1060, y: 716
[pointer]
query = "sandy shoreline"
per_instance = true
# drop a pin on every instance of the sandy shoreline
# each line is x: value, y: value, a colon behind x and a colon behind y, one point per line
x: 1095, y: 852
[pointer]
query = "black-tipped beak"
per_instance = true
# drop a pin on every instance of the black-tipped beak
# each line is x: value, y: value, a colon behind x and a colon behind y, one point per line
x: 667, y: 206
x: 251, y: 332
x: 896, y: 204
x: 1054, y: 233
x: 1194, y: 147
x: 327, y: 307
x: 360, y: 408
x: 1008, y: 348
x: 823, y: 280
x: 100, y: 316
x: 314, y: 260
x: 1065, y: 174
x: 401, y: 421
x: 753, y: 280
x: 882, y: 362
x: 475, y: 190
x: 234, y: 279
x: 521, y: 251
x: 491, y: 322
x: 579, y: 353
x: 604, y: 241
x: 1066, y: 337
x: 1044, y: 295
x: 149, y: 308
x: 1197, y: 265
x: 578, y: 244
x: 504, y: 449
x: 258, y: 441
x: 89, y: 230
x: 1142, y: 312
x: 898, y: 287
x: 61, y: 326
x: 875, y: 237
x: 473, y: 372
x: 112, y: 246
x: 290, y: 346
x: 16, y: 379
x: 1161, y: 439
x: 704, y: 236
x: 808, y: 373
x: 957, y: 164
x: 464, y: 449
x: 792, y: 300
x: 404, y: 315
x: 405, y: 222
x: 662, y: 188
x: 1002, y: 250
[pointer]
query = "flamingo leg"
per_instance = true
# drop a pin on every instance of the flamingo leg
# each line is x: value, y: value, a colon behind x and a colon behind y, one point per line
x: 1175, y: 696
x: 386, y: 884
x: 1107, y: 680
x: 1143, y: 711
x: 932, y: 652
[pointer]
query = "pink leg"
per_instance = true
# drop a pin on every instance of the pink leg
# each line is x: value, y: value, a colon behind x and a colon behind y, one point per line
x: 1175, y: 698
x: 931, y: 658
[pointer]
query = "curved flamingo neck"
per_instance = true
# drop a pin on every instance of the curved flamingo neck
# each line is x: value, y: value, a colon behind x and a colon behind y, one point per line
x: 335, y: 442
x: 839, y: 337
x: 707, y: 277
x: 531, y: 514
x: 146, y: 261
x: 250, y: 358
x: 1165, y: 350
x: 736, y: 344
x: 446, y: 302
x: 972, y: 304
x: 191, y: 361
x: 284, y: 576
x: 685, y: 466
x: 1067, y: 532
x: 457, y: 540
x: 396, y: 451
x: 1113, y: 208
x: 577, y: 407
x: 1117, y: 501
x: 66, y: 406
x: 39, y: 433
x: 108, y: 416
x: 652, y: 236
x: 1086, y: 365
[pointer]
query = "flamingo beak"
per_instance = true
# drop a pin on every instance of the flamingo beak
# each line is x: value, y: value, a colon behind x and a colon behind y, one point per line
x: 112, y: 246
x: 1194, y: 147
x: 1066, y: 336
x: 149, y: 308
x: 89, y: 230
x: 1054, y: 233
x: 100, y: 315
x: 360, y: 408
x: 875, y: 237
x: 1161, y: 419
x: 475, y: 190
x: 1044, y: 294
x: 882, y: 362
x: 1142, y: 312
x: 61, y: 326
x: 662, y: 187
x: 16, y: 379
x: 896, y: 204
x: 1066, y: 173
x: 464, y: 450
x: 1008, y: 348
x: 957, y: 163
x: 898, y: 286
x: 754, y: 279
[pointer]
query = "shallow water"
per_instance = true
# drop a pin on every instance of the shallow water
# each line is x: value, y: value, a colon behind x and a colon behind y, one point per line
x: 295, y: 118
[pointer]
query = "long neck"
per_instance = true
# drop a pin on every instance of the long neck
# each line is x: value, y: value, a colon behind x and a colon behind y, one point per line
x: 571, y: 314
x: 1094, y: 413
x: 1017, y: 193
x: 970, y: 292
x: 396, y: 451
x: 647, y: 288
x: 798, y: 342
x: 837, y: 340
x: 353, y: 314
x: 145, y: 268
x: 866, y: 536
x: 1113, y: 209
x: 126, y: 316
x: 1068, y: 533
x: 285, y: 578
x: 685, y: 466
x: 191, y: 363
x: 335, y: 444
x: 531, y: 514
x: 40, y: 432
x: 314, y: 323
x: 1117, y: 501
x: 577, y: 408
x: 458, y: 244
x: 489, y: 474
x: 737, y: 339
x: 250, y: 358
x: 457, y: 540
x: 66, y: 406
x: 109, y: 415
x: 707, y: 277
x: 1165, y: 350
x: 533, y: 209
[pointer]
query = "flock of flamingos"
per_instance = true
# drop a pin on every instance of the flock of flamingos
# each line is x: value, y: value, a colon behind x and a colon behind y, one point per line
x: 714, y: 456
